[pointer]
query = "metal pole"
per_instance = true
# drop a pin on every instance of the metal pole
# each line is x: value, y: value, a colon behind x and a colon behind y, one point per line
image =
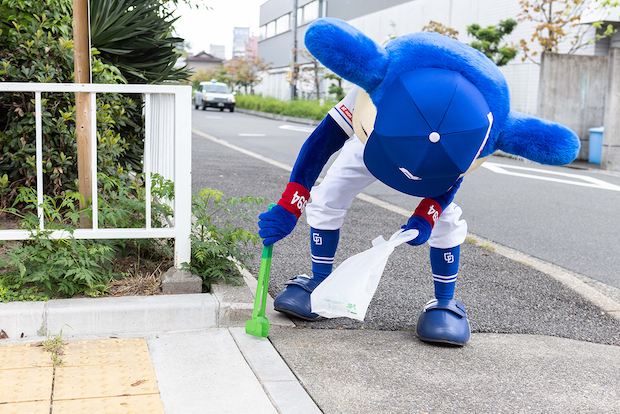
x: 81, y: 53
x: 295, y: 69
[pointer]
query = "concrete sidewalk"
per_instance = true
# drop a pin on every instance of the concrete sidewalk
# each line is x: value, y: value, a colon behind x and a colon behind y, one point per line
x: 205, y: 363
x: 202, y: 358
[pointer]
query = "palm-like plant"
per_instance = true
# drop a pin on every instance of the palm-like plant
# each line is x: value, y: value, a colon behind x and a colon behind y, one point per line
x: 136, y: 36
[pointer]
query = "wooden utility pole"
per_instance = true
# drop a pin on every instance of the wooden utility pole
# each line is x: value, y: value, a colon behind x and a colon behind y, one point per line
x: 81, y: 54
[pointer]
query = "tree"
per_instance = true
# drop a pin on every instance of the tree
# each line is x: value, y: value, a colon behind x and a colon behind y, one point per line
x: 203, y: 75
x: 244, y: 72
x: 335, y: 88
x: 560, y: 20
x: 441, y: 29
x: 311, y: 73
x: 488, y: 41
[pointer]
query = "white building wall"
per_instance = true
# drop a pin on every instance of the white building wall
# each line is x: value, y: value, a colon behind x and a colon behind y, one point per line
x: 274, y: 84
x: 522, y: 76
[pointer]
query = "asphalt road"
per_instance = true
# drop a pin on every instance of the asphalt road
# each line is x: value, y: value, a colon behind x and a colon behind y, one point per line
x: 565, y: 216
x: 501, y: 295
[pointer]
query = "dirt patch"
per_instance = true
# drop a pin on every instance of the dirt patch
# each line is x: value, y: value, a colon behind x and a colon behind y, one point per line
x: 9, y: 221
x: 143, y: 280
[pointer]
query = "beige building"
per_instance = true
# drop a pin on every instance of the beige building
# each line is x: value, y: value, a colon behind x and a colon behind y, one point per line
x: 202, y: 61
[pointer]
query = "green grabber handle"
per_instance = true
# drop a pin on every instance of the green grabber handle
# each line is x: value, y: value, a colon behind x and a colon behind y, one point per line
x: 263, y: 279
x: 259, y: 325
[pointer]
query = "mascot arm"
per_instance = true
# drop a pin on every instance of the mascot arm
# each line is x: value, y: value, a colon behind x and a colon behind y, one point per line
x: 280, y: 221
x: 538, y: 140
x: 427, y: 213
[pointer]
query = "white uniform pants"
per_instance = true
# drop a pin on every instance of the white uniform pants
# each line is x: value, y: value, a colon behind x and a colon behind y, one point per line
x: 347, y: 177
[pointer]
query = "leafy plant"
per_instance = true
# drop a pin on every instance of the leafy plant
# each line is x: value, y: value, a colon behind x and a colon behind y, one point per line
x: 335, y: 88
x: 36, y: 46
x: 53, y: 344
x: 13, y: 288
x: 558, y: 21
x: 59, y: 267
x: 488, y: 41
x: 41, y: 267
x: 218, y: 241
x: 136, y: 37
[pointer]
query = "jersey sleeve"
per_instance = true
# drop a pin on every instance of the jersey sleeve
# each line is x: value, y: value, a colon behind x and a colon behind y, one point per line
x: 335, y: 129
x: 342, y: 113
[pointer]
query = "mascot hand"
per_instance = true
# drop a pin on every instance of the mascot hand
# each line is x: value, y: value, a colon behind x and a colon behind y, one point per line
x: 275, y: 224
x: 420, y: 224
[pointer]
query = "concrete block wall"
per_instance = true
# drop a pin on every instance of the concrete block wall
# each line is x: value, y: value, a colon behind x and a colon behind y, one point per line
x: 572, y: 92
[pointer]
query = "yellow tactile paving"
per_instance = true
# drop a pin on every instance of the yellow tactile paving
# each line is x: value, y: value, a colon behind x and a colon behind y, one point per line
x: 110, y: 376
x: 110, y: 351
x: 26, y: 384
x: 137, y: 404
x: 23, y: 356
x: 104, y: 381
x: 31, y: 407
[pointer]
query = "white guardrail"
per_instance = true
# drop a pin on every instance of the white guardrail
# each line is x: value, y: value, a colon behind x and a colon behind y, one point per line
x: 167, y: 152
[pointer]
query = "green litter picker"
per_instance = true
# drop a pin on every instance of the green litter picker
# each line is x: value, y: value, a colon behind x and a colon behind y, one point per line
x: 259, y: 324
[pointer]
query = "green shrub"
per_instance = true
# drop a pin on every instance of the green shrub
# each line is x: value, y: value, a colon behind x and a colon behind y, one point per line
x: 36, y: 46
x: 308, y: 109
x: 42, y: 268
x: 218, y: 242
x: 299, y: 109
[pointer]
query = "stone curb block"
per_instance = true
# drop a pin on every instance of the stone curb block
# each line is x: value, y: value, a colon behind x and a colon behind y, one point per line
x: 226, y: 306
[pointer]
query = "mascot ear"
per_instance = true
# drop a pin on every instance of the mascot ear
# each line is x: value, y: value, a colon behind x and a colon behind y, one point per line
x: 538, y: 140
x: 347, y: 51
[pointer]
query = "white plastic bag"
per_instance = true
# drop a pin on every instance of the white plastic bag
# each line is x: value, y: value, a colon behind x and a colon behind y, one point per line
x: 349, y: 289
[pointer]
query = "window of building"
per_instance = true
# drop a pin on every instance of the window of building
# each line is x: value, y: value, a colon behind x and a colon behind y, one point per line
x: 282, y: 23
x: 308, y: 13
x: 275, y: 27
x: 271, y: 29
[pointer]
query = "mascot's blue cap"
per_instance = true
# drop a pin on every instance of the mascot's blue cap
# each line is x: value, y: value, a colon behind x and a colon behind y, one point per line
x: 431, y: 125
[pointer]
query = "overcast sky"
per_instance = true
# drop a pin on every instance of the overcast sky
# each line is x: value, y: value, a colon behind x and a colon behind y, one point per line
x: 202, y: 27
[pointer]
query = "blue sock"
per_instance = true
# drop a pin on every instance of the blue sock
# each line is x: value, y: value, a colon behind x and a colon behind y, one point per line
x: 323, y: 245
x: 445, y: 265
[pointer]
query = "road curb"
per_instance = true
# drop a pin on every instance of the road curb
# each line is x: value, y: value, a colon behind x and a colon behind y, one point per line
x: 226, y: 306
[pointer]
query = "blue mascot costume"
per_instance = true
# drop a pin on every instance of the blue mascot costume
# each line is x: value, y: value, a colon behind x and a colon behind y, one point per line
x: 426, y: 110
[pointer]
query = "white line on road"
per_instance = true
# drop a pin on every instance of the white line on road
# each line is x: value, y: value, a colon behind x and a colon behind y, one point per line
x: 579, y: 283
x: 242, y: 150
x: 296, y: 128
x: 248, y: 134
x: 579, y: 180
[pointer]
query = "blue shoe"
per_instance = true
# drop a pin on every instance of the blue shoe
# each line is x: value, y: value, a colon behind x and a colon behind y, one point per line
x: 295, y: 298
x: 443, y: 321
